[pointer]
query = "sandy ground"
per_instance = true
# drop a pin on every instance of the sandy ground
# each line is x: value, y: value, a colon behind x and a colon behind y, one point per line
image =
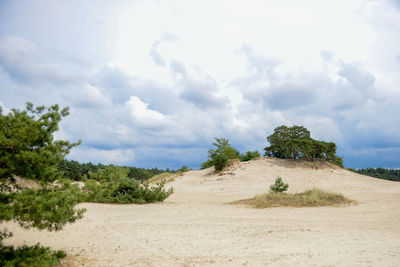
x: 194, y: 227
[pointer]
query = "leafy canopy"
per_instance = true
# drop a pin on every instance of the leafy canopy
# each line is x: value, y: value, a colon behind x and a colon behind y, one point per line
x: 220, y: 154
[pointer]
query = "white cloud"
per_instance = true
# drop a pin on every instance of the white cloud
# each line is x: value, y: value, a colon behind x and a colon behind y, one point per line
x: 19, y: 58
x: 142, y: 116
x: 113, y: 156
x: 86, y: 95
x: 275, y: 11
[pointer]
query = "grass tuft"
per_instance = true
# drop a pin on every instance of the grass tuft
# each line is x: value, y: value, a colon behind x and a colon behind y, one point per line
x: 310, y: 198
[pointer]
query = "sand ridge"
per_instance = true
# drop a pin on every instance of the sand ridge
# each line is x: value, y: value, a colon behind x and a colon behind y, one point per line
x: 194, y: 227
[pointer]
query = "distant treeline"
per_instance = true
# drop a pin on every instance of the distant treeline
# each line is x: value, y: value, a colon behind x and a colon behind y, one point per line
x: 76, y: 171
x: 381, y: 173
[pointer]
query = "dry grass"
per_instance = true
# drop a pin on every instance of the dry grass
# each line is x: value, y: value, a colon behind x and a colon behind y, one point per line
x: 310, y: 198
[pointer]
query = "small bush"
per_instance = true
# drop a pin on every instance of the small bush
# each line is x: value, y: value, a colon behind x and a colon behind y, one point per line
x: 220, y: 162
x: 184, y: 168
x: 27, y: 256
x: 310, y: 198
x: 207, y: 164
x: 279, y: 186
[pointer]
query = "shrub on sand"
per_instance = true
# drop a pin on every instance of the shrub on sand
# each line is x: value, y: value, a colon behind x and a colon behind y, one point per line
x: 126, y: 191
x: 279, y: 186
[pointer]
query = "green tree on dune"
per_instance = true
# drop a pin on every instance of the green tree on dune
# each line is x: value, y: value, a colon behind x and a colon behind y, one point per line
x: 296, y: 143
x: 220, y: 154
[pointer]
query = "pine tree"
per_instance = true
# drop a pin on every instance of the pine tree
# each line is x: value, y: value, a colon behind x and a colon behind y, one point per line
x: 28, y: 150
x: 279, y: 186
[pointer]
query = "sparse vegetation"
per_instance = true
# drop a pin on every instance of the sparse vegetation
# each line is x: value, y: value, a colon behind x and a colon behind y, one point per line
x: 168, y: 176
x: 310, y: 198
x: 183, y: 169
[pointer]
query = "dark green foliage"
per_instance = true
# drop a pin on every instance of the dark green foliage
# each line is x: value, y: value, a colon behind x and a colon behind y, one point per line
x: 144, y: 174
x: 45, y: 208
x: 296, y: 143
x: 220, y: 161
x: 29, y: 256
x: 27, y: 145
x: 279, y: 186
x: 249, y: 155
x: 207, y: 164
x: 76, y: 171
x: 381, y: 173
x: 220, y: 155
x: 112, y: 185
x: 28, y: 150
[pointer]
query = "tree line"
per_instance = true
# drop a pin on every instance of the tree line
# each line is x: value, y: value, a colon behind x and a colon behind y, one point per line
x: 76, y: 171
x: 381, y: 173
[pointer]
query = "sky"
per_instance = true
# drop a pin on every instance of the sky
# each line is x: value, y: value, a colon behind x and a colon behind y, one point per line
x: 152, y: 83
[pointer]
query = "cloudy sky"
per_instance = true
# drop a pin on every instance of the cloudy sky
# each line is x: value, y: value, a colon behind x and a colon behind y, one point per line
x: 151, y: 83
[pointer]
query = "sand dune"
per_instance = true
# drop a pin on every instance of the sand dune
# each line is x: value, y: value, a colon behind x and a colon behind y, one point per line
x: 194, y: 227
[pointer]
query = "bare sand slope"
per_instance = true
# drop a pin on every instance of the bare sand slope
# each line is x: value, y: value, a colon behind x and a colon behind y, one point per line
x: 195, y: 228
